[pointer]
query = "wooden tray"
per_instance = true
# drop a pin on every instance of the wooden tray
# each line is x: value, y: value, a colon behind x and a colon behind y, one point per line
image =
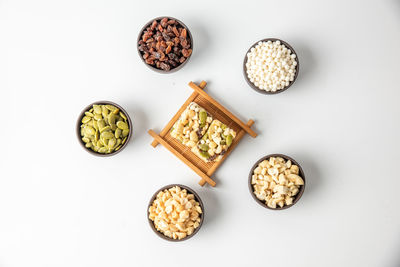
x: 203, y: 169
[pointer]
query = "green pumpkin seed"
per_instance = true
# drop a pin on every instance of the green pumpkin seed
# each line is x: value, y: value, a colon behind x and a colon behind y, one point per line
x: 102, y: 150
x: 123, y: 141
x: 223, y: 126
x: 203, y: 147
x: 95, y: 125
x: 118, y: 133
x: 223, y: 142
x: 86, y: 119
x: 111, y: 119
x: 91, y: 110
x: 119, y: 141
x: 107, y: 128
x: 89, y: 114
x: 97, y: 136
x: 107, y: 135
x: 85, y: 139
x: 89, y: 130
x: 123, y: 116
x: 88, y: 145
x: 98, y: 117
x: 110, y: 107
x: 101, y: 124
x: 125, y: 132
x: 117, y: 148
x: 205, y: 137
x: 202, y: 116
x: 115, y: 111
x: 112, y: 143
x: 97, y: 109
x: 122, y: 125
x: 229, y: 140
x: 95, y: 149
x: 204, y: 154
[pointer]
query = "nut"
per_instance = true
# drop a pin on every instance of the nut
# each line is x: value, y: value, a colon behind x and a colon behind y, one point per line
x: 175, y: 213
x: 276, y: 182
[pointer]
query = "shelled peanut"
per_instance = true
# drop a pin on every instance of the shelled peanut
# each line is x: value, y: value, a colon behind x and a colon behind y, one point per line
x: 175, y: 213
x: 276, y: 182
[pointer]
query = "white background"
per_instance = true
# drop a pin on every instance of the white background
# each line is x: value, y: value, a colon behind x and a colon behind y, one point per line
x: 61, y: 206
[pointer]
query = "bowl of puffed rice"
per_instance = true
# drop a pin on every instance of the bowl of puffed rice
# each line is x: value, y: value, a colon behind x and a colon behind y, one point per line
x: 276, y: 182
x: 270, y: 66
x: 175, y: 212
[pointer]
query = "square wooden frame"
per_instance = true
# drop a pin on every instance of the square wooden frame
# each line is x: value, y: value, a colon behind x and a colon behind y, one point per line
x: 184, y: 153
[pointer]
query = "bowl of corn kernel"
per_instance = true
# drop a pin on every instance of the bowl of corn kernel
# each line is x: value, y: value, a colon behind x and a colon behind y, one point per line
x: 175, y: 212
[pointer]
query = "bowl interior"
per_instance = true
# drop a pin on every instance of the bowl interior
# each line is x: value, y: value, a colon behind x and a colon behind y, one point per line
x: 140, y: 37
x: 301, y: 174
x: 79, y: 123
x: 189, y: 190
x: 255, y: 87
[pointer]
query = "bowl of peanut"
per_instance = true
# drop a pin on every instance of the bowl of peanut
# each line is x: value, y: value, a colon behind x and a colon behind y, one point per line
x: 175, y: 212
x: 276, y: 182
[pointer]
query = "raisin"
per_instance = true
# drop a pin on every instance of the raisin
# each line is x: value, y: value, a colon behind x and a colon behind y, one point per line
x: 165, y: 66
x: 168, y: 49
x: 164, y: 22
x: 183, y: 33
x: 153, y: 25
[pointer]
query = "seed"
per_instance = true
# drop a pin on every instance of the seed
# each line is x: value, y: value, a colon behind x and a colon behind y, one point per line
x: 98, y: 117
x: 125, y: 132
x: 99, y: 129
x: 97, y: 109
x: 123, y: 116
x: 89, y: 130
x: 107, y: 135
x: 110, y: 107
x: 102, y: 150
x: 86, y: 119
x: 112, y: 143
x: 203, y: 116
x: 118, y: 133
x: 122, y: 125
x: 203, y: 147
x: 105, y: 129
x: 229, y: 140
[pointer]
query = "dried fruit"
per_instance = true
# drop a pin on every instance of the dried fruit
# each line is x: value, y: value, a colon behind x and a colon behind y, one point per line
x: 165, y: 44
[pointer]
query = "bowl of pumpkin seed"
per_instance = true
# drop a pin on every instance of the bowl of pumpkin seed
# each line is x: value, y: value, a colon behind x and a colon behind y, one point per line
x: 104, y: 128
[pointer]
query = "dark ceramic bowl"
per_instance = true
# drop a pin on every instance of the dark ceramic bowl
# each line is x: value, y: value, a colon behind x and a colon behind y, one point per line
x: 148, y: 24
x: 296, y: 198
x: 79, y: 123
x: 263, y: 91
x: 197, y: 198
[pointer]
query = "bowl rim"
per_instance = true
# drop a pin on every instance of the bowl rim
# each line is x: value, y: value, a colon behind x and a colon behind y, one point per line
x: 140, y: 37
x: 301, y: 174
x: 189, y: 190
x: 79, y: 123
x: 270, y: 92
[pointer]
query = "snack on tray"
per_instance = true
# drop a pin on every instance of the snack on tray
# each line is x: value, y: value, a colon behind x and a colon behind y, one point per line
x: 191, y: 125
x: 215, y: 142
